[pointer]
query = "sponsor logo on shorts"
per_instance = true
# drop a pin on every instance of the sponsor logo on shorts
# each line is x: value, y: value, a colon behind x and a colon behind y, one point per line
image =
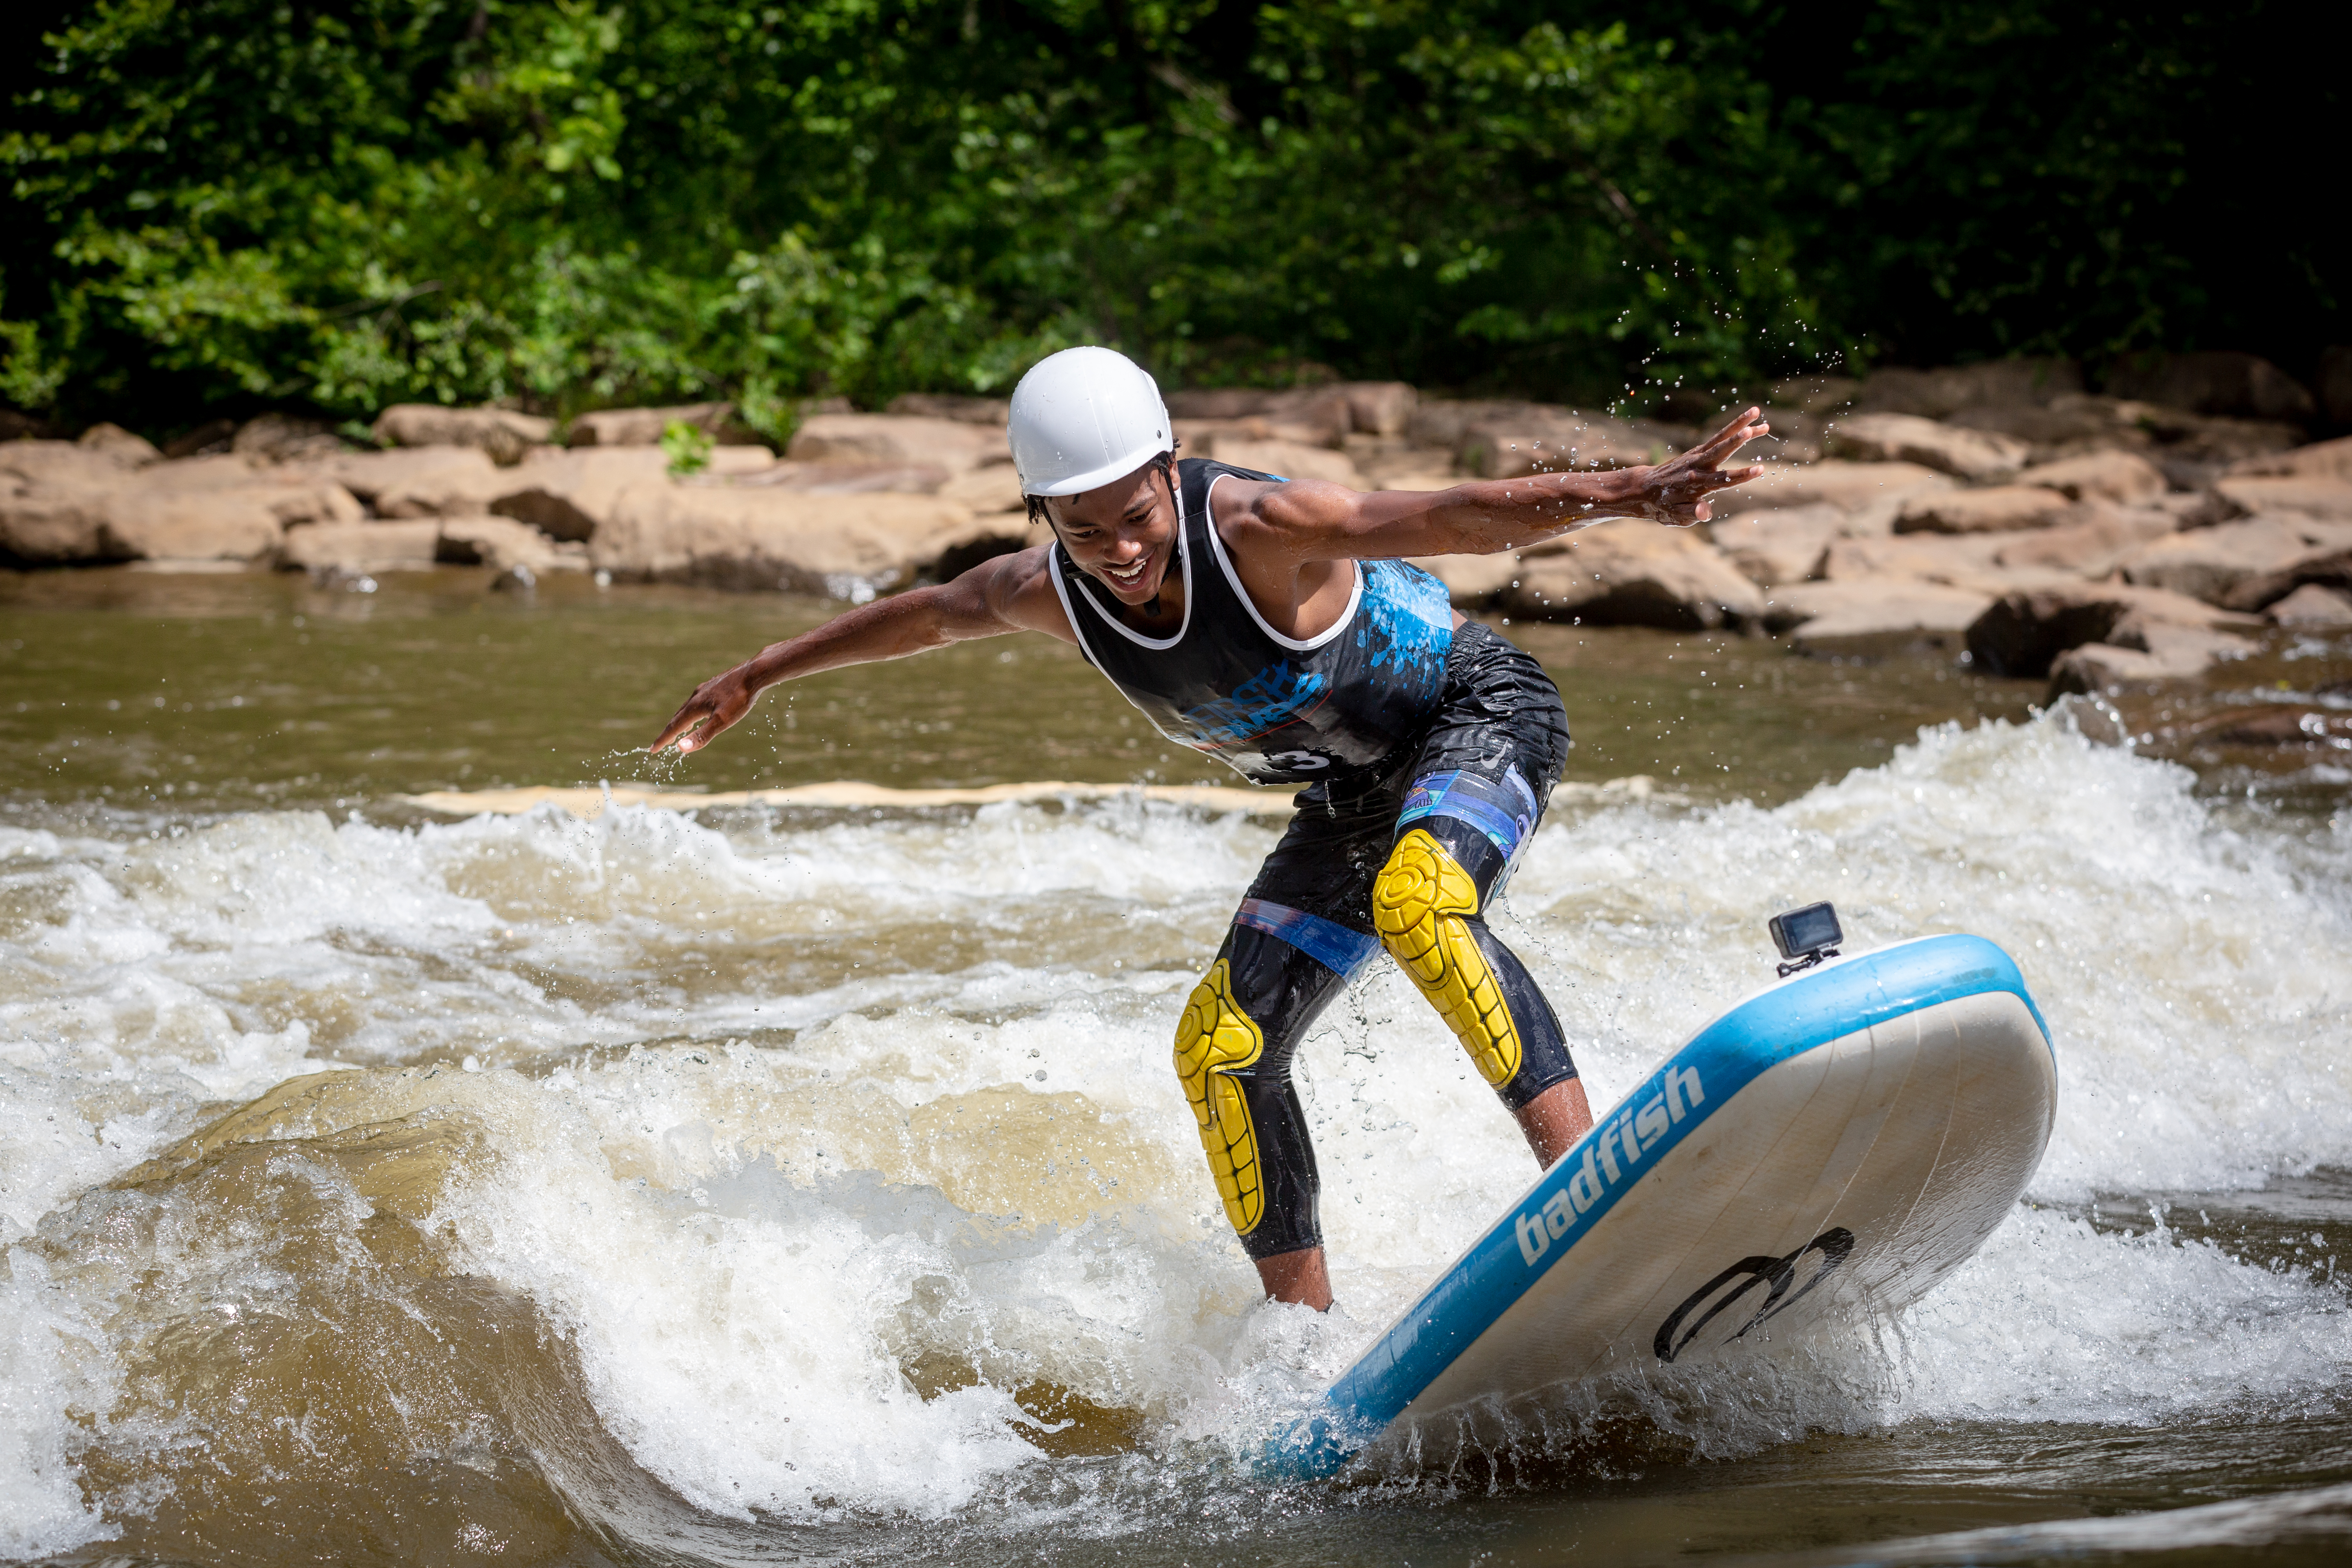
x: 1612, y: 1154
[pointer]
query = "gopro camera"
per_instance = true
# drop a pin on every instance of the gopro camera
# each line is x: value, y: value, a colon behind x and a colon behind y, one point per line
x: 1806, y: 936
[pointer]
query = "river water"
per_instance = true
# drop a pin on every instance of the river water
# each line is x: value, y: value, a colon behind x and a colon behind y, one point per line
x: 757, y: 1184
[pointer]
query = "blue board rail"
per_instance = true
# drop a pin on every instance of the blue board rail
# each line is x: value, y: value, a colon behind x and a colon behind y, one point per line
x: 1698, y: 1080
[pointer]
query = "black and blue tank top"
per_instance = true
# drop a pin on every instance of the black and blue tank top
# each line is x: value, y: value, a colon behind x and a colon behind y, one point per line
x: 1275, y: 710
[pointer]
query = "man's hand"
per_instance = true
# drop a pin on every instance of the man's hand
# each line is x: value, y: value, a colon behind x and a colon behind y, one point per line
x: 1675, y: 492
x: 715, y: 706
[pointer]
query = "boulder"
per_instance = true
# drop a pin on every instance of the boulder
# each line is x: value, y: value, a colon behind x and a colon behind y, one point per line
x: 420, y: 481
x: 1782, y: 545
x: 132, y: 451
x: 502, y: 433
x: 2070, y: 424
x: 1849, y: 487
x: 1874, y: 617
x: 1311, y: 415
x: 503, y: 544
x: 572, y: 494
x: 2121, y: 476
x: 847, y: 479
x: 1290, y: 460
x: 1409, y: 468
x: 2095, y: 540
x: 199, y: 508
x: 1554, y: 440
x: 877, y: 438
x: 742, y: 537
x: 2313, y: 606
x: 2003, y: 509
x: 65, y: 463
x: 2327, y: 499
x: 1956, y: 560
x: 995, y: 489
x: 1977, y: 456
x: 1440, y: 422
x: 1380, y: 408
x: 1937, y: 394
x: 2239, y: 385
x: 360, y: 547
x: 996, y: 412
x: 2100, y: 667
x: 196, y: 525
x: 285, y: 439
x: 2329, y: 566
x: 1631, y: 571
x: 643, y: 426
x: 2211, y: 563
x: 2142, y: 656
x: 2320, y: 460
x: 2021, y: 632
x: 1472, y: 581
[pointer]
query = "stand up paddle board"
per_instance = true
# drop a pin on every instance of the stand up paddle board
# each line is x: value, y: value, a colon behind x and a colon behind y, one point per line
x: 1821, y: 1154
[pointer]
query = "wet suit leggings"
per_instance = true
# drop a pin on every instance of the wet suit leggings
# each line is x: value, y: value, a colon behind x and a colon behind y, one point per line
x: 1407, y: 863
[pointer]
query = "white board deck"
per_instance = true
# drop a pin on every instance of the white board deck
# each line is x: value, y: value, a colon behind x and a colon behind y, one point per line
x: 1822, y: 1154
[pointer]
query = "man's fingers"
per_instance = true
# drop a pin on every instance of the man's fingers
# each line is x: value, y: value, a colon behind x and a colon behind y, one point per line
x: 1737, y: 433
x: 696, y: 713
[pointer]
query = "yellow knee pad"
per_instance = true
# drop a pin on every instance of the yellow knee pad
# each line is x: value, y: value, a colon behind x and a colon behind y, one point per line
x: 1213, y: 1037
x: 1420, y: 902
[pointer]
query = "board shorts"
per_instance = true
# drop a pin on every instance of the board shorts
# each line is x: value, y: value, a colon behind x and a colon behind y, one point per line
x: 1404, y: 857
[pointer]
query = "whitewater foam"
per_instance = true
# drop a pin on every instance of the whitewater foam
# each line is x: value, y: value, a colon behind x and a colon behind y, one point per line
x: 845, y: 1160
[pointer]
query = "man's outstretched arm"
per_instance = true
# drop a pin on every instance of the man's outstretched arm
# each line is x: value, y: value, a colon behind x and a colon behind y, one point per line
x: 1005, y: 593
x: 1311, y: 522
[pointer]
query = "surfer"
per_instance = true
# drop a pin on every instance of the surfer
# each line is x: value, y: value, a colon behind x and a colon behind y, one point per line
x: 1274, y: 625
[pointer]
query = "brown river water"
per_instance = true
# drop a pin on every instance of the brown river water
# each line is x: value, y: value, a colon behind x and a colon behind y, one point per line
x: 753, y: 1183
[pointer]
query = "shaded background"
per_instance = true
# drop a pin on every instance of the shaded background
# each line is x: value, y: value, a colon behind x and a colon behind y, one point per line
x: 250, y: 204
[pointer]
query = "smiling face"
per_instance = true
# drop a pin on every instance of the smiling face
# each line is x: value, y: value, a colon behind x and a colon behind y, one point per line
x: 1123, y: 535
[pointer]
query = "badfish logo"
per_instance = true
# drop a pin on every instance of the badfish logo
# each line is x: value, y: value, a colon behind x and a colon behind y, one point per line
x: 1632, y: 1134
x: 1772, y: 1275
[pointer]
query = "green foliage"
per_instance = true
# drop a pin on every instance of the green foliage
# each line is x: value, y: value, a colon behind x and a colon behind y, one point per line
x: 342, y: 203
x: 688, y: 447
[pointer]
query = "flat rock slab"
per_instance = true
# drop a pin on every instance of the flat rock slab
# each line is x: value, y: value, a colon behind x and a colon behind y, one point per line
x: 2324, y: 498
x: 1849, y: 487
x: 646, y: 426
x: 2313, y: 606
x: 1631, y: 571
x: 1977, y: 456
x: 418, y: 481
x: 134, y: 519
x: 2096, y: 540
x: 1288, y: 459
x: 358, y: 547
x: 2022, y: 633
x: 2212, y: 563
x: 502, y: 433
x: 2320, y: 460
x: 1512, y: 448
x: 2002, y: 509
x: 2122, y: 476
x: 1785, y: 545
x: 850, y: 547
x: 1875, y: 619
x: 951, y: 444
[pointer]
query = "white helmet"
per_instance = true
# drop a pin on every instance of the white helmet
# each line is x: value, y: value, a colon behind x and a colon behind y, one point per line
x: 1083, y: 417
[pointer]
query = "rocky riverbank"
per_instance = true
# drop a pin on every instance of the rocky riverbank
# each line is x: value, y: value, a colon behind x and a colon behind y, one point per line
x: 1999, y: 512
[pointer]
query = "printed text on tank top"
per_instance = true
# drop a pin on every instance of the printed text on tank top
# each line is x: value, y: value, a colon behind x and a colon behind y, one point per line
x: 1277, y: 709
